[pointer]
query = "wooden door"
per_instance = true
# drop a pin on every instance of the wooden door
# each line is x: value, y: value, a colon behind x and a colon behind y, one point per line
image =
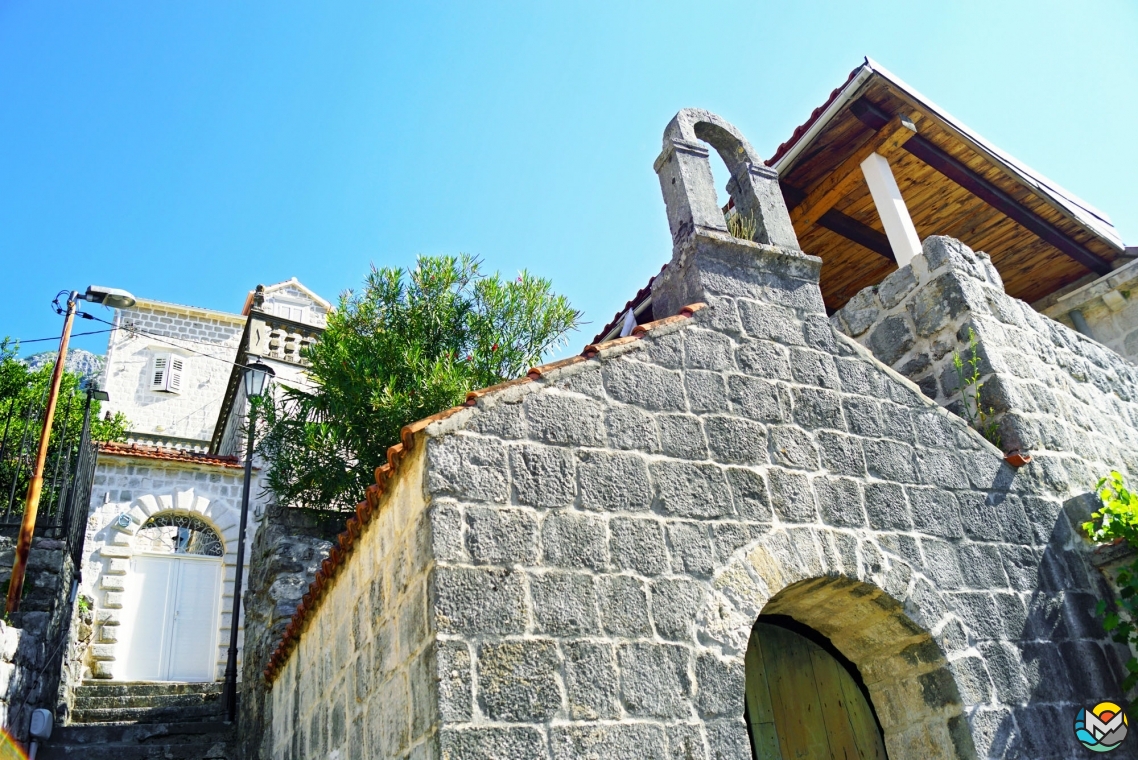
x: 802, y: 703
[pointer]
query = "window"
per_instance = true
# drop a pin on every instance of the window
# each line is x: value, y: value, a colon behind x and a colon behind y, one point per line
x: 167, y: 373
x: 178, y: 534
x: 289, y: 311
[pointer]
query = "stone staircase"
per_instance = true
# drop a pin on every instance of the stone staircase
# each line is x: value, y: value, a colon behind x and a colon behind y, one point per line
x: 133, y: 721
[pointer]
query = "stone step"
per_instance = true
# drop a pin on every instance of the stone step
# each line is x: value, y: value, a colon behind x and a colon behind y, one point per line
x: 157, y: 714
x: 135, y: 741
x: 85, y: 702
x: 120, y: 688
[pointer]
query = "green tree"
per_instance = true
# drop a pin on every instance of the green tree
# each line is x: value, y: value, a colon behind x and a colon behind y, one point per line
x: 409, y: 344
x: 23, y: 393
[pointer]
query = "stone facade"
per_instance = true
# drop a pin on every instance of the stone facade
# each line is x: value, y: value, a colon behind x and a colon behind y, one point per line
x: 1108, y: 308
x: 140, y: 488
x: 205, y: 340
x: 571, y: 565
x: 1058, y: 395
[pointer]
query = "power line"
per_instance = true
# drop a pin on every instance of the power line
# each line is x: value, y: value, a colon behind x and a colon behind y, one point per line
x: 56, y: 337
x: 163, y: 339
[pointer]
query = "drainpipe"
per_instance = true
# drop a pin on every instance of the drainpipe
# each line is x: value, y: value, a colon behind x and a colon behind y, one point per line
x: 1080, y: 323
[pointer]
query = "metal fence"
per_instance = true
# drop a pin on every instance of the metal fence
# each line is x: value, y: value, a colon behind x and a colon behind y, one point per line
x: 68, y: 472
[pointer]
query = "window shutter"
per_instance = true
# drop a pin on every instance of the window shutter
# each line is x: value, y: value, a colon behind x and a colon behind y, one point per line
x: 161, y: 366
x: 174, y: 377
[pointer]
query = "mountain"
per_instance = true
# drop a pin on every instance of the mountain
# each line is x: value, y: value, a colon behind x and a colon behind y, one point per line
x: 84, y: 363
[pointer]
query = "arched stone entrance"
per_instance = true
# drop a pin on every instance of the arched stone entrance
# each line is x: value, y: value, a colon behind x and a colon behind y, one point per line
x: 909, y: 681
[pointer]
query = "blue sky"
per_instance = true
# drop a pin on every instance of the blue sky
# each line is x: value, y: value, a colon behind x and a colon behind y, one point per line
x: 188, y: 151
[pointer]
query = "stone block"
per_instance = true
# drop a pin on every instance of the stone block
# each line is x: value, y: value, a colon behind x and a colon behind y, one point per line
x: 113, y: 600
x: 685, y: 742
x: 891, y: 339
x: 685, y: 489
x: 517, y: 680
x: 675, y: 604
x: 887, y: 507
x: 935, y: 512
x: 501, y: 421
x: 654, y: 680
x: 448, y: 543
x: 501, y: 536
x: 482, y: 743
x: 117, y: 567
x: 707, y: 392
x: 708, y: 349
x: 719, y: 686
x: 479, y: 600
x: 896, y: 286
x: 860, y: 312
x: 112, y: 582
x: 637, y: 544
x: 613, y: 482
x: 817, y: 408
x: 631, y: 428
x: 644, y: 741
x: 543, y: 476
x: 735, y: 440
x: 691, y: 549
x: 624, y: 606
x: 840, y: 502
x: 814, y: 368
x: 791, y: 495
x: 469, y: 467
x: 564, y: 604
x: 768, y: 322
x: 644, y: 385
x: 793, y: 447
x: 841, y: 454
x: 749, y: 494
x: 982, y: 566
x: 728, y: 739
x: 681, y: 436
x: 574, y: 541
x: 755, y: 399
x: 942, y: 563
x: 890, y: 461
x: 762, y: 358
x: 591, y: 682
x: 665, y: 350
x: 564, y: 419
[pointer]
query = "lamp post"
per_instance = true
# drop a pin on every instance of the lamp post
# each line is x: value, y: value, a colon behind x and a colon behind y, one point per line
x: 116, y: 299
x: 257, y: 376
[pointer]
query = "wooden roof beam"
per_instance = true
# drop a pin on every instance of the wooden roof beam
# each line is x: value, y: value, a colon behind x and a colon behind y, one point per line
x: 846, y: 226
x: 836, y: 185
x: 876, y: 119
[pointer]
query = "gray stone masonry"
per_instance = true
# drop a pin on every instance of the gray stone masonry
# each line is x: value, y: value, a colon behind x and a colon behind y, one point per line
x: 287, y: 551
x: 1059, y: 396
x: 592, y: 548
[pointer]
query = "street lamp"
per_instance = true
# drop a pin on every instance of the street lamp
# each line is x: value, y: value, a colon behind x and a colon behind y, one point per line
x: 115, y: 299
x: 257, y: 376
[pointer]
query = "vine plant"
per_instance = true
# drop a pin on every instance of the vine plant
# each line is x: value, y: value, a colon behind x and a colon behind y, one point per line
x: 1117, y: 521
x: 968, y: 381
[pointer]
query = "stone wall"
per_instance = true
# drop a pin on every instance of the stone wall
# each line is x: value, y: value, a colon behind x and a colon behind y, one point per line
x: 604, y: 536
x: 1108, y: 306
x: 33, y: 642
x: 288, y: 550
x: 361, y: 683
x: 1059, y: 396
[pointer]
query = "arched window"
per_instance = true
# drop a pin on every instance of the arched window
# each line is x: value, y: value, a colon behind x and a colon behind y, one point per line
x: 171, y: 533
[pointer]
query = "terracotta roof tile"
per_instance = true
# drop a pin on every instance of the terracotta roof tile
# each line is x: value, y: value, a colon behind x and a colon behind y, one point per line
x: 383, y: 475
x: 166, y: 454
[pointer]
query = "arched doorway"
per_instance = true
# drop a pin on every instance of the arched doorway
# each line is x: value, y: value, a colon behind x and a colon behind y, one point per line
x: 804, y: 699
x: 173, y: 600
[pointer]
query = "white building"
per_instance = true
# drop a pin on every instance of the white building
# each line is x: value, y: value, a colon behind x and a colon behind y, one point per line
x: 160, y: 555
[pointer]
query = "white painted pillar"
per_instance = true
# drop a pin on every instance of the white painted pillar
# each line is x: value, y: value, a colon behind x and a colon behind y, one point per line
x: 891, y: 208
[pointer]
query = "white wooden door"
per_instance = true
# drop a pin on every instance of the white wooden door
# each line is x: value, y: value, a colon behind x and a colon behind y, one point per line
x: 171, y: 618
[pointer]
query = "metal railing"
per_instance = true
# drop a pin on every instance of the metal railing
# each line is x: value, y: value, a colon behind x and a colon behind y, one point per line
x: 69, y: 470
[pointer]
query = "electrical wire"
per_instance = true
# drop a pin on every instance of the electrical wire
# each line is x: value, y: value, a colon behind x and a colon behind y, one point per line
x: 56, y: 337
x: 163, y: 339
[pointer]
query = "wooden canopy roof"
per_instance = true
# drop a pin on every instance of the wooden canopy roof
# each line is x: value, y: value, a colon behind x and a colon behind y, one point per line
x: 1040, y: 237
